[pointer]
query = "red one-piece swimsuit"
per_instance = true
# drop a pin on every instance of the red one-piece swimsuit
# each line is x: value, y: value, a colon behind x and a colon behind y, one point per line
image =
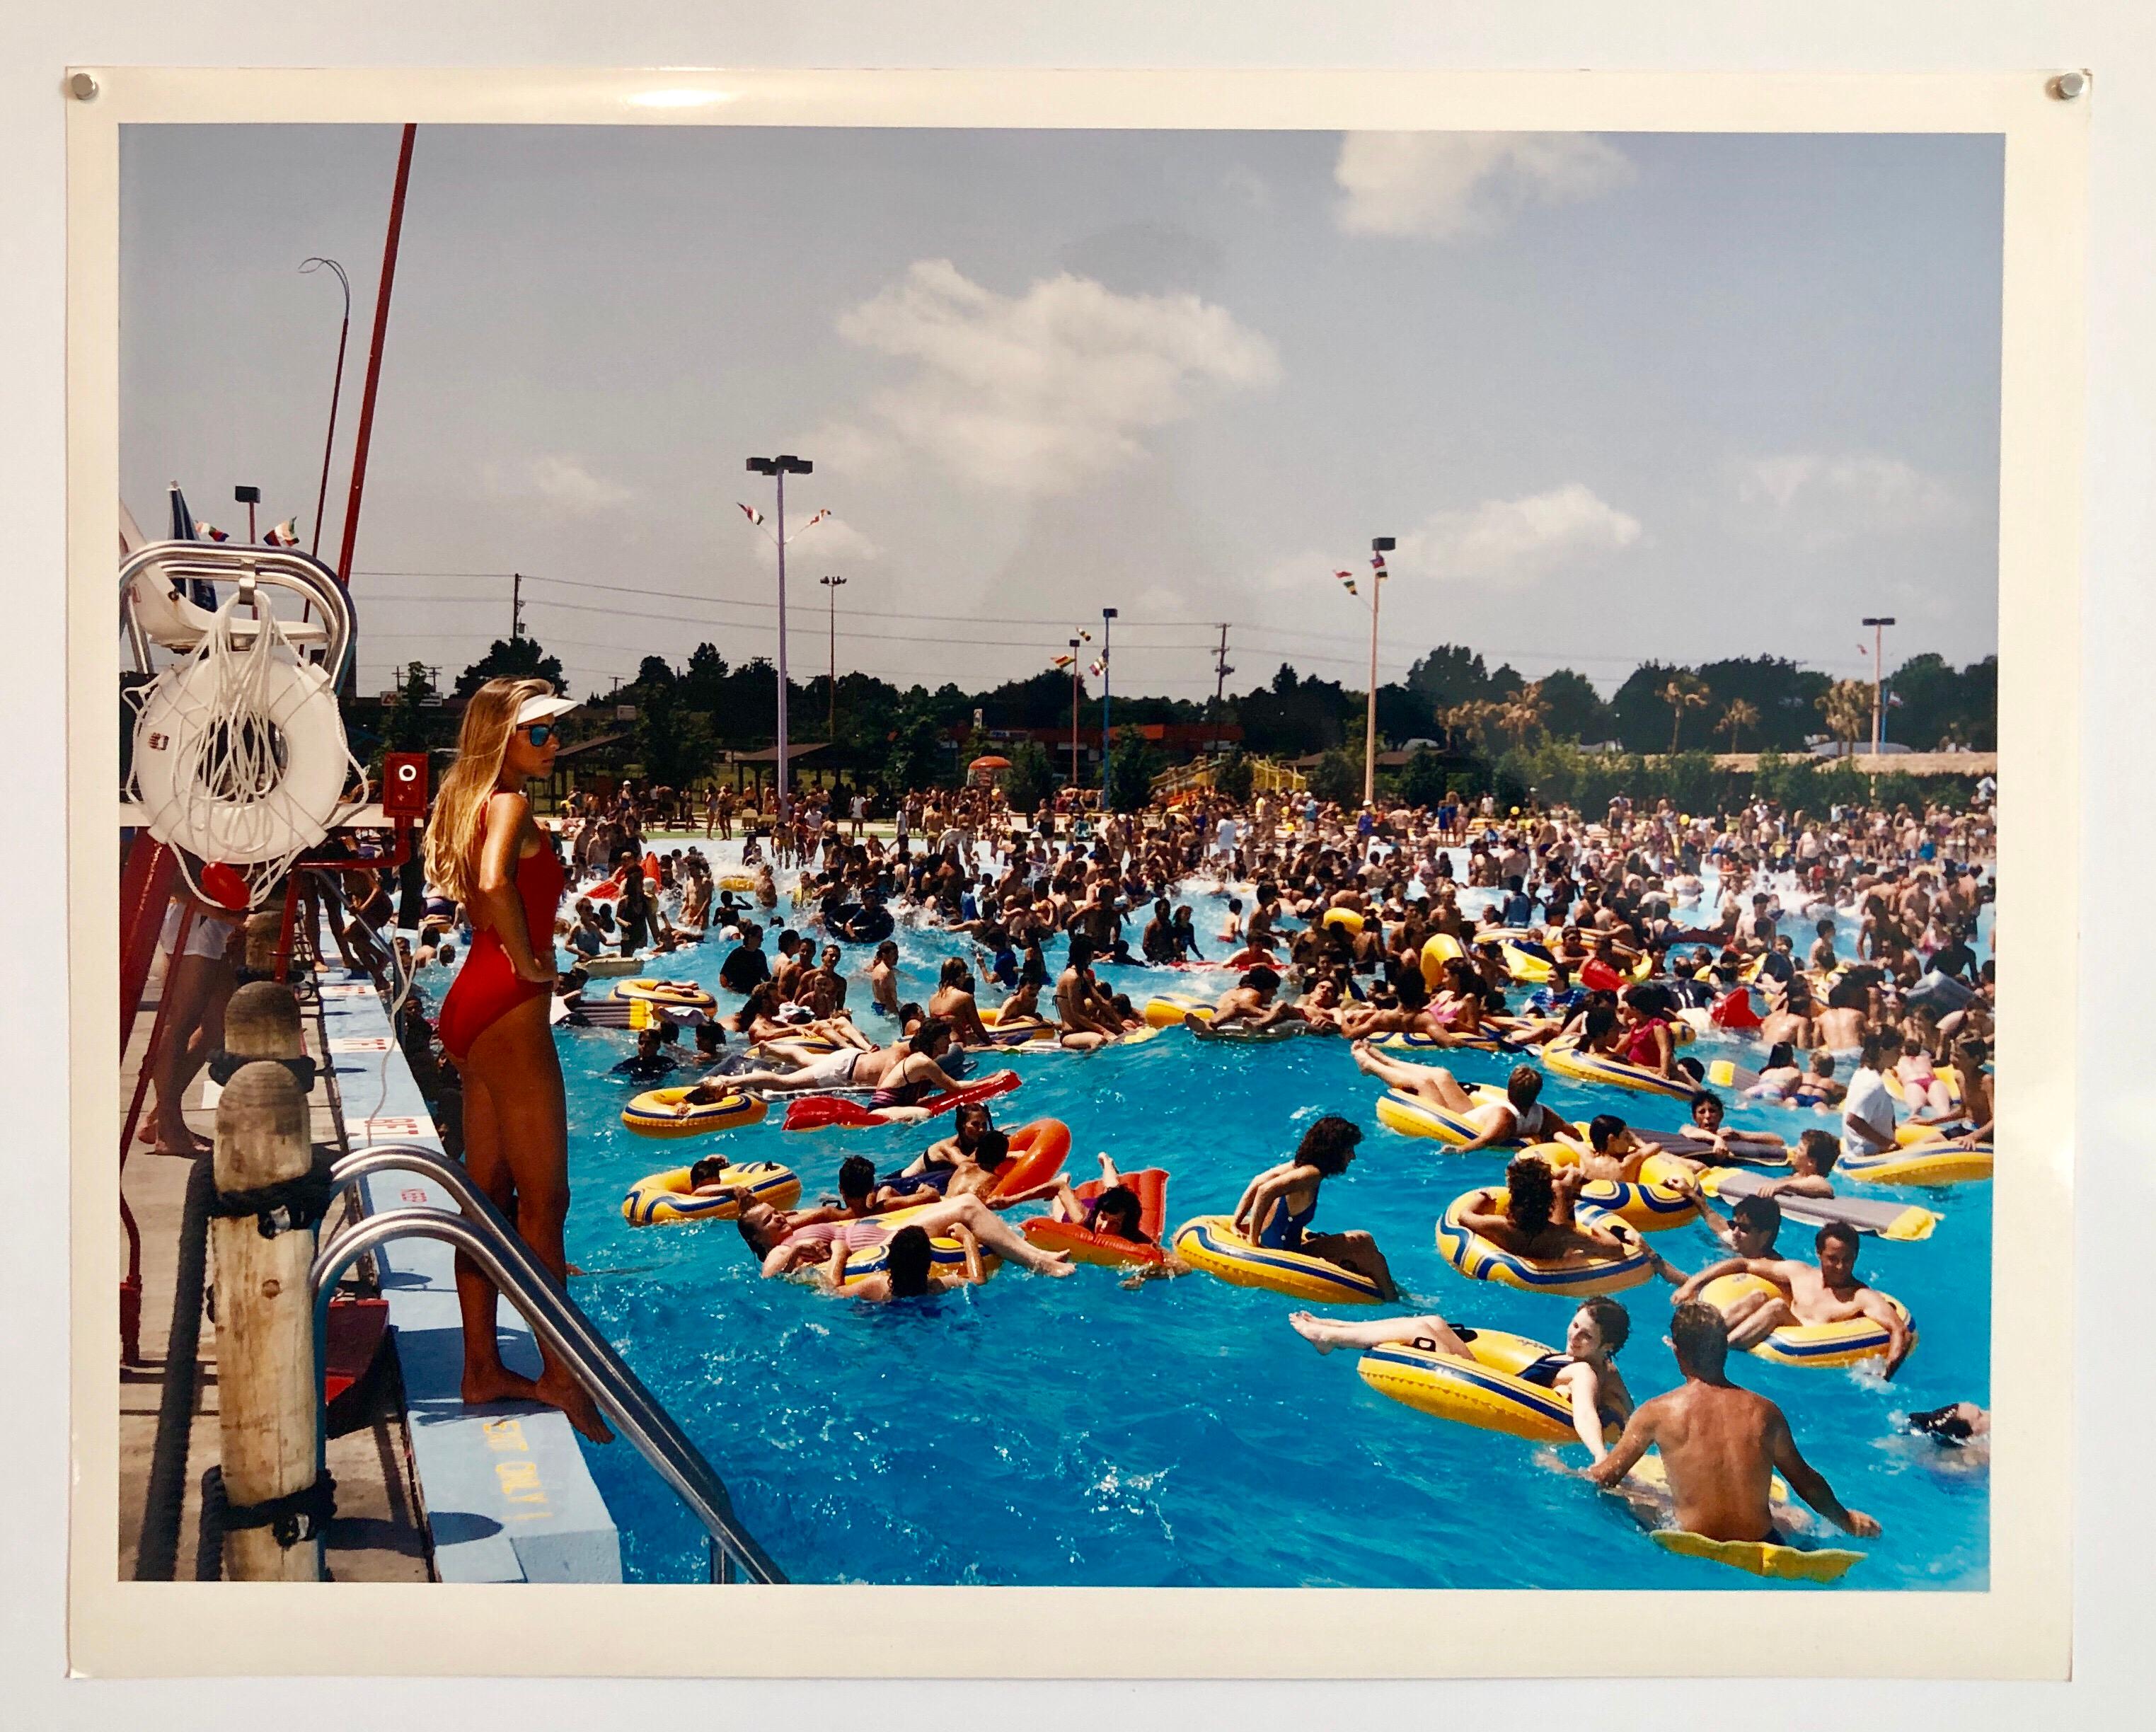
x: 487, y: 988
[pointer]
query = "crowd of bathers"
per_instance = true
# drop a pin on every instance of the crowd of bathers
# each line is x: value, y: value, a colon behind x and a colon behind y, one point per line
x: 1330, y: 917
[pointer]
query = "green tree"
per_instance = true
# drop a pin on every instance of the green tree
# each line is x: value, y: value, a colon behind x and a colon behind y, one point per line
x: 674, y: 744
x: 1422, y: 783
x: 1572, y: 708
x: 1337, y: 776
x: 1133, y: 764
x: 519, y: 658
x: 703, y: 680
x: 1031, y: 778
x: 1683, y: 691
x: 1846, y: 704
x: 914, y: 755
x: 404, y: 729
x: 1235, y: 777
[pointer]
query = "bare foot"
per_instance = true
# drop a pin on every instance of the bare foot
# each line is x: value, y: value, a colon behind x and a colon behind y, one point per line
x: 1057, y: 1263
x: 1313, y: 1328
x: 556, y: 1388
x: 496, y: 1384
x: 179, y: 1140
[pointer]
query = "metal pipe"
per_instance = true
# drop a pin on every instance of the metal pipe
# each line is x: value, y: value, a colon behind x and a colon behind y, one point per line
x: 286, y: 568
x: 488, y: 1239
x: 374, y: 353
x: 336, y: 391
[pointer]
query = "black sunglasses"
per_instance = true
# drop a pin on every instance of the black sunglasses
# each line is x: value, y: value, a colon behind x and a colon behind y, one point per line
x: 539, y: 733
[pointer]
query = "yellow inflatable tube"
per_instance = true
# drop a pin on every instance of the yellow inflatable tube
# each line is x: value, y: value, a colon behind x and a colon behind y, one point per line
x: 1210, y: 1243
x: 660, y: 1113
x: 1167, y: 1010
x: 1486, y: 1391
x: 1818, y: 1345
x: 687, y: 995
x: 1568, y: 1060
x: 1574, y: 1276
x: 1929, y: 1159
x: 668, y: 1196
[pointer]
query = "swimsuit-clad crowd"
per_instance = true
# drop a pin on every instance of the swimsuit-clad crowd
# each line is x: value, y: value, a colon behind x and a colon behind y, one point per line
x: 1330, y: 923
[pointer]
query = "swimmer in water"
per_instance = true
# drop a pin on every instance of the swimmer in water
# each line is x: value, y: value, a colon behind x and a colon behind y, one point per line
x: 1721, y: 1445
x: 1830, y: 1292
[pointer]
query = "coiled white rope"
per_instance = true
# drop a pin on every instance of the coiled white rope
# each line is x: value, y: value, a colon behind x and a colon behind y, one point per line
x: 238, y: 720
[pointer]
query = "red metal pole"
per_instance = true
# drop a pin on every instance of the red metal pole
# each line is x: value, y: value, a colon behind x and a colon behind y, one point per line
x: 374, y: 355
x: 336, y: 391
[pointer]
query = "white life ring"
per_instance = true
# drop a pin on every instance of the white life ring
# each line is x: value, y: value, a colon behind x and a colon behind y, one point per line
x: 242, y: 827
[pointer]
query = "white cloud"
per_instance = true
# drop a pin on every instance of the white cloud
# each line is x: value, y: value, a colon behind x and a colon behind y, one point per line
x: 562, y: 482
x: 1041, y: 393
x: 1825, y: 498
x: 1445, y: 185
x: 1517, y: 541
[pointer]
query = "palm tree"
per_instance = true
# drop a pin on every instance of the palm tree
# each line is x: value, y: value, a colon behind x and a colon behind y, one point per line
x: 1473, y: 719
x: 1685, y: 691
x: 1847, y: 706
x: 1524, y: 714
x: 1738, y: 716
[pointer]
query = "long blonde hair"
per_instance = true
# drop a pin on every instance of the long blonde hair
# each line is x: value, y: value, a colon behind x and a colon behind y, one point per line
x: 461, y: 807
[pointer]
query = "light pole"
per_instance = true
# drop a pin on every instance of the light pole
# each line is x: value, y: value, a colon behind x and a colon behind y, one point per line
x: 307, y: 267
x: 1107, y: 762
x: 1074, y: 713
x: 778, y: 468
x: 1878, y: 677
x: 249, y: 497
x: 1380, y: 546
x: 834, y: 584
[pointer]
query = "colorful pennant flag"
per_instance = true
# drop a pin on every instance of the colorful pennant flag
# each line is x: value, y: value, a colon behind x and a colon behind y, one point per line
x: 209, y: 532
x: 816, y: 520
x: 1348, y: 579
x: 284, y: 535
x: 753, y: 515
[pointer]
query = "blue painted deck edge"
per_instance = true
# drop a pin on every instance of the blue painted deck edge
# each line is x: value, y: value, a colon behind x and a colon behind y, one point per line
x: 506, y: 1493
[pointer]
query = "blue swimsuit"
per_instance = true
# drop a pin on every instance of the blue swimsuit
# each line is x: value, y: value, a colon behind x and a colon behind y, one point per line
x: 1284, y: 1231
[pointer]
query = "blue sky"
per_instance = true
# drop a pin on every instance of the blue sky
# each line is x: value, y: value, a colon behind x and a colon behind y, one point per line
x: 1617, y: 397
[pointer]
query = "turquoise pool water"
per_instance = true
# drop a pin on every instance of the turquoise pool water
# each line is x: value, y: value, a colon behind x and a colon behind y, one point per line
x: 1035, y: 1432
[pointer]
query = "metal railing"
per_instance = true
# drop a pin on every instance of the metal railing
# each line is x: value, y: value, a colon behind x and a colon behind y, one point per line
x: 482, y: 1234
x: 180, y: 562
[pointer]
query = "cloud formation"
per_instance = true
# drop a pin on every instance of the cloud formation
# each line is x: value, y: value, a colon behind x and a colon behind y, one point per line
x: 1517, y: 541
x: 1823, y: 498
x: 1041, y: 393
x: 1449, y: 186
x: 560, y: 482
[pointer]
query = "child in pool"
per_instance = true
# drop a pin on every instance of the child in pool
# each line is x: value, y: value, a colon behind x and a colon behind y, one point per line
x: 1811, y: 1163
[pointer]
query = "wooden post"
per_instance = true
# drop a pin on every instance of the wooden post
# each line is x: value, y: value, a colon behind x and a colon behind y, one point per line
x: 268, y: 1397
x: 265, y: 931
x: 262, y: 1018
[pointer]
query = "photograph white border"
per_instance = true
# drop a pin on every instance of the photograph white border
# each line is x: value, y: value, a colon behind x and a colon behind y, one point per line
x: 2020, y: 1628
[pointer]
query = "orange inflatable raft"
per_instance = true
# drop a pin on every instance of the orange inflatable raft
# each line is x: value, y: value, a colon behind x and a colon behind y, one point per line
x: 1086, y: 1245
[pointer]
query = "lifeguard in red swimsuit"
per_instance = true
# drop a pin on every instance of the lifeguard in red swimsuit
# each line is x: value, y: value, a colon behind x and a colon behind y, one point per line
x: 484, y: 849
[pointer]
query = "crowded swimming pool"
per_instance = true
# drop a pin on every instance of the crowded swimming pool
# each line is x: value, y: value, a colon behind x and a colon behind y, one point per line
x: 1031, y: 1432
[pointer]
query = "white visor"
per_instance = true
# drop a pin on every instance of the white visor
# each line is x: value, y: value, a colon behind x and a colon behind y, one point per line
x: 539, y: 709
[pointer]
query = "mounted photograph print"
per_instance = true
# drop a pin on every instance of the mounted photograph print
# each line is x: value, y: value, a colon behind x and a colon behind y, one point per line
x: 918, y: 844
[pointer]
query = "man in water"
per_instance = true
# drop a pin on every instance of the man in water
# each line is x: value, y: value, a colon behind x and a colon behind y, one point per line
x: 1721, y: 1445
x: 1804, y: 1294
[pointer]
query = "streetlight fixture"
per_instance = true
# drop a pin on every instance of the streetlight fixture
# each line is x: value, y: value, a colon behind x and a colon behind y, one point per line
x: 834, y: 584
x: 778, y: 468
x: 1380, y: 546
x: 1878, y: 625
x: 1108, y: 616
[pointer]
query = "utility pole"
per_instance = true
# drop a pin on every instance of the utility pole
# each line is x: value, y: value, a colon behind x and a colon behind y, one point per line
x: 1878, y: 680
x: 1221, y: 670
x: 515, y: 605
x: 1380, y: 546
x: 834, y: 584
x: 779, y: 468
x: 249, y: 497
x: 1107, y: 762
x: 1074, y: 712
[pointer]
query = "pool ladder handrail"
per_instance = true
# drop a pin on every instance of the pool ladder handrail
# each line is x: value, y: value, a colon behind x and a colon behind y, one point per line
x: 482, y: 1234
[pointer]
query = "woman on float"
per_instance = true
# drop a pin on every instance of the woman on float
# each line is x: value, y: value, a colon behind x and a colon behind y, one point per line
x: 1278, y: 1205
x: 784, y: 1248
x: 1585, y: 1373
x: 484, y: 849
x: 1647, y: 1040
x: 1519, y: 1118
x: 953, y: 1001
